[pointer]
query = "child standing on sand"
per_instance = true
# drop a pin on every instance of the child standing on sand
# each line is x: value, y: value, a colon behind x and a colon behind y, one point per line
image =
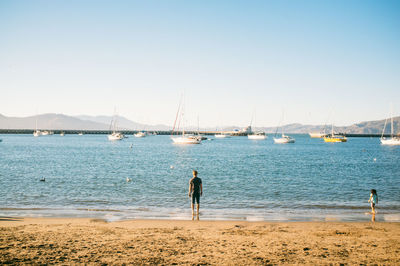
x: 373, y: 198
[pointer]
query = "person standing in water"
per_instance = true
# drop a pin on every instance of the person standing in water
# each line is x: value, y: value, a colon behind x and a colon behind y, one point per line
x: 195, y: 191
x: 373, y: 198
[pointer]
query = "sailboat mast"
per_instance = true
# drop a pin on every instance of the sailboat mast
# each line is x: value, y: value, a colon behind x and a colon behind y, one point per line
x: 198, y: 126
x: 391, y: 121
x: 183, y: 115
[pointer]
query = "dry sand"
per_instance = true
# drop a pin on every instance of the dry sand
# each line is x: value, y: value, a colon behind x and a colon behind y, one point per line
x: 91, y: 241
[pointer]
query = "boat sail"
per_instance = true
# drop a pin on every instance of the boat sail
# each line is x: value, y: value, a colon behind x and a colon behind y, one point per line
x: 284, y: 138
x: 393, y: 140
x: 115, y: 135
x: 184, y: 138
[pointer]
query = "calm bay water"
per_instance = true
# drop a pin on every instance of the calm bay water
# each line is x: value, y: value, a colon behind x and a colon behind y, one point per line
x: 242, y: 179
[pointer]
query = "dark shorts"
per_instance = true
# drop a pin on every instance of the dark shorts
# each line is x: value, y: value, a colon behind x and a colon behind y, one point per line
x: 196, y: 198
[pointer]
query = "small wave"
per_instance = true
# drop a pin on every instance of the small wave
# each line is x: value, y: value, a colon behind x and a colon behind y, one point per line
x: 24, y: 209
x: 254, y: 219
x: 98, y: 210
x: 343, y: 207
x: 391, y: 217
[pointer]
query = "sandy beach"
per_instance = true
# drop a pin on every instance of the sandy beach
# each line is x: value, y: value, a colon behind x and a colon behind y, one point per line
x: 53, y: 240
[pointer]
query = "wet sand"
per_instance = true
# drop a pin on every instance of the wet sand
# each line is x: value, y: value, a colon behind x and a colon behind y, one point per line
x: 72, y: 241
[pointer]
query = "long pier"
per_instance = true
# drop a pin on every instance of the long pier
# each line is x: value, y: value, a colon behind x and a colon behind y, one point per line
x: 106, y: 132
x: 158, y: 132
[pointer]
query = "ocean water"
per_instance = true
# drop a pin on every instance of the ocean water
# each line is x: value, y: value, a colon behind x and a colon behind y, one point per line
x: 86, y: 176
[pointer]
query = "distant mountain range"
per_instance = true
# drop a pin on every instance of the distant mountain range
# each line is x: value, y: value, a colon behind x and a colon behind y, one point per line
x: 369, y: 127
x: 85, y: 122
x: 64, y: 122
x: 123, y: 123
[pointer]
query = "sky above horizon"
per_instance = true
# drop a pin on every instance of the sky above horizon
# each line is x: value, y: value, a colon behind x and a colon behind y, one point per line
x: 316, y: 62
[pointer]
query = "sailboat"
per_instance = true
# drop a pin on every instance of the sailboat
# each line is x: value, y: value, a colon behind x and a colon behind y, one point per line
x: 140, y: 134
x: 222, y: 135
x: 37, y: 132
x: 256, y: 135
x: 317, y: 134
x: 284, y: 138
x: 335, y: 138
x: 184, y: 138
x: 115, y: 135
x: 393, y: 140
x: 198, y: 130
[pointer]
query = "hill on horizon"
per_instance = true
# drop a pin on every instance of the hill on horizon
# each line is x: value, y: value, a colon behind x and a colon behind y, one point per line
x: 53, y: 121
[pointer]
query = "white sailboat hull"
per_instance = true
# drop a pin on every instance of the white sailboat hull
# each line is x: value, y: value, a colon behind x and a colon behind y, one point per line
x: 284, y: 140
x: 140, y: 135
x: 36, y: 133
x: 257, y: 137
x: 316, y: 135
x: 221, y: 136
x: 186, y: 140
x: 115, y: 136
x: 390, y: 141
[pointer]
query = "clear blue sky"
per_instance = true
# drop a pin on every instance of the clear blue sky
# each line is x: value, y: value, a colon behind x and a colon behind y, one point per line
x: 316, y: 60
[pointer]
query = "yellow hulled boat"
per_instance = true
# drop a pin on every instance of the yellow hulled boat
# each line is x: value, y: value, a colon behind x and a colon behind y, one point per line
x: 335, y: 139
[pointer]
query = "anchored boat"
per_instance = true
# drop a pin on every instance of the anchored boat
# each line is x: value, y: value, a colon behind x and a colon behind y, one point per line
x: 335, y: 138
x: 184, y: 138
x: 393, y: 140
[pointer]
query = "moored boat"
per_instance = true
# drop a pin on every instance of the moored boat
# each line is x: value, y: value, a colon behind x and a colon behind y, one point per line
x: 36, y: 133
x: 222, y: 135
x: 335, y: 138
x: 114, y: 126
x: 317, y: 134
x: 184, y: 138
x: 115, y: 136
x: 392, y: 140
x: 257, y: 136
x: 284, y: 139
x: 140, y: 134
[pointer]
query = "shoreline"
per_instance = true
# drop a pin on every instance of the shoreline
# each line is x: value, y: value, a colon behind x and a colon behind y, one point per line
x: 85, y: 240
x: 114, y: 215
